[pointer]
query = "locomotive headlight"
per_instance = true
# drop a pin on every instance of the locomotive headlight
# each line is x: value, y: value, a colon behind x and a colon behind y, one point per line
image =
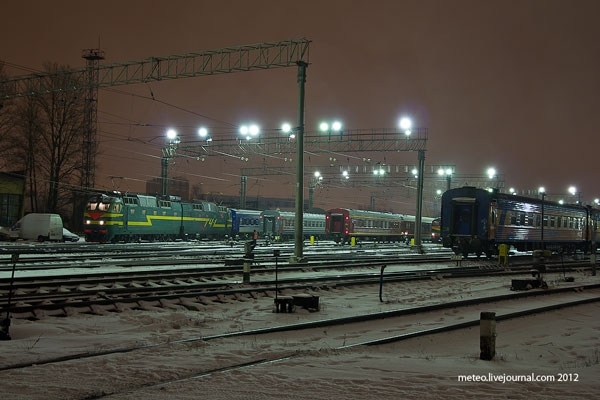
x: 101, y: 222
x: 87, y: 221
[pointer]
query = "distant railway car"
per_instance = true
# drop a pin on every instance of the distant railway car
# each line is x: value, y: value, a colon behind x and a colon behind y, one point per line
x: 435, y: 230
x: 244, y: 222
x: 476, y: 221
x: 114, y: 217
x: 343, y: 224
x: 280, y: 225
x: 408, y: 228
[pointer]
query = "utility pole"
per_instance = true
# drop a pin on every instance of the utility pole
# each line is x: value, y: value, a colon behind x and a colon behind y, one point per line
x: 93, y: 57
x: 298, y: 256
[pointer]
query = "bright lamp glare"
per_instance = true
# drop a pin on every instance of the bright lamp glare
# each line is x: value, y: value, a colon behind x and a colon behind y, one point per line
x: 405, y: 123
x: 324, y: 126
x: 171, y: 134
x: 202, y: 132
x: 336, y: 126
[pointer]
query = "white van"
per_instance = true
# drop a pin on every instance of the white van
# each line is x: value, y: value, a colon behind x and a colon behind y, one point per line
x: 40, y: 227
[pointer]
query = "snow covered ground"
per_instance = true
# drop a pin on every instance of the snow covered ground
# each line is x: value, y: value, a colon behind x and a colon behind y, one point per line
x: 557, y: 353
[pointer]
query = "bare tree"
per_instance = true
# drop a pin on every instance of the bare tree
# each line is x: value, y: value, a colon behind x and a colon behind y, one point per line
x: 23, y: 146
x: 60, y: 148
x: 47, y: 140
x: 6, y: 123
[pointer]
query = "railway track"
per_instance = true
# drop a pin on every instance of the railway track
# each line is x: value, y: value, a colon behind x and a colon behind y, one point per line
x: 109, y: 275
x: 335, y: 334
x: 86, y: 291
x: 40, y: 257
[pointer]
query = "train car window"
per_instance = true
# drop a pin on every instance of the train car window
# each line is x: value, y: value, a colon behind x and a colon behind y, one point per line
x: 513, y: 218
x: 545, y: 222
x: 522, y: 218
x: 559, y: 221
x: 552, y: 221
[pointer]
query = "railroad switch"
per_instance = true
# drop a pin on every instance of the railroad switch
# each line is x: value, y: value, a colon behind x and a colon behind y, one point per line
x: 289, y: 303
x: 526, y: 284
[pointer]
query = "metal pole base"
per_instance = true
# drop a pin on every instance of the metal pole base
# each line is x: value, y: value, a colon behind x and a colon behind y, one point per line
x: 246, y: 273
x: 298, y: 260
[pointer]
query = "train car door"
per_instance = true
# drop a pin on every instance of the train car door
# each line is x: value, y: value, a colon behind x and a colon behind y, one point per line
x: 336, y: 223
x: 465, y: 218
x: 269, y: 225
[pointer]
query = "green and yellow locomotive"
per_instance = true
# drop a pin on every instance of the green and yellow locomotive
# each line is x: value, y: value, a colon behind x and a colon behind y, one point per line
x: 119, y: 217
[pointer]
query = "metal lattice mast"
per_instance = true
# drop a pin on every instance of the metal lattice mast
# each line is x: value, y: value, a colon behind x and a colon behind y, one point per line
x: 253, y: 57
x: 90, y: 123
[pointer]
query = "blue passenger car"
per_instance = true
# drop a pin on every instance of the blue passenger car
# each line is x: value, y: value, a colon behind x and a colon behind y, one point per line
x: 477, y: 221
x: 244, y: 222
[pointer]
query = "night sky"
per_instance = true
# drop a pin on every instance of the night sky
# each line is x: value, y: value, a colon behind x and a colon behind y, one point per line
x: 509, y: 84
